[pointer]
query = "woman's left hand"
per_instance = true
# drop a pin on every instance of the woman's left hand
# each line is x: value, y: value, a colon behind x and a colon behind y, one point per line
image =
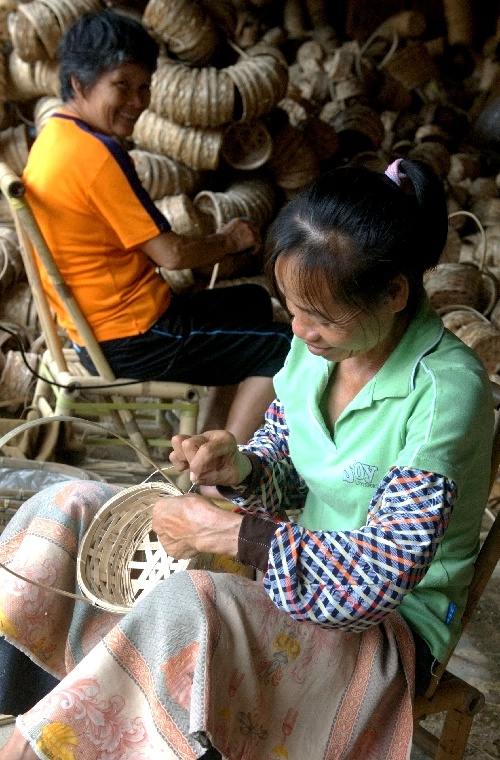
x: 189, y: 524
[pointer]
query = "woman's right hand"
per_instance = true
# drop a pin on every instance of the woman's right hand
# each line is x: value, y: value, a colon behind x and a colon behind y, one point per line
x: 213, y: 458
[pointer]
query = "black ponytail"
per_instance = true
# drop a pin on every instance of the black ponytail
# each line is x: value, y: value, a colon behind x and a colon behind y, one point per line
x: 356, y: 229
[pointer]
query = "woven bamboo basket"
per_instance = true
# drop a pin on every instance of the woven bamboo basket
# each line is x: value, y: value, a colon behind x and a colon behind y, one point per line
x: 293, y: 162
x: 43, y: 110
x: 261, y: 81
x: 11, y: 263
x: 453, y: 283
x: 479, y: 334
x: 6, y: 7
x: 161, y: 175
x: 120, y: 558
x: 247, y: 145
x: 459, y: 21
x: 463, y: 165
x: 487, y: 210
x: 181, y: 214
x: 184, y: 219
x: 37, y: 26
x: 17, y: 380
x: 412, y: 65
x: 197, y: 148
x: 363, y: 119
x: 451, y: 250
x: 404, y: 24
x: 31, y: 80
x: 17, y: 305
x: 254, y: 198
x: 3, y: 85
x: 186, y: 27
x: 14, y: 147
x: 25, y: 39
x: 193, y: 97
x: 433, y: 153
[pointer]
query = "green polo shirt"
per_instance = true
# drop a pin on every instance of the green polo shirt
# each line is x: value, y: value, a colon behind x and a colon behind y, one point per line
x: 429, y: 407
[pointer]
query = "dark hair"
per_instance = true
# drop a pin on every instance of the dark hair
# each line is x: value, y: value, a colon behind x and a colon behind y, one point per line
x: 354, y: 230
x: 101, y: 41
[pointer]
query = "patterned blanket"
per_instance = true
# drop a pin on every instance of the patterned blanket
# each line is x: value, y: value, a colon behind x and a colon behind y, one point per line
x: 204, y: 659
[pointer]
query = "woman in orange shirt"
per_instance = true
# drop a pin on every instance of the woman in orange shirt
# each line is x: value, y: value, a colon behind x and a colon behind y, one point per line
x: 108, y: 239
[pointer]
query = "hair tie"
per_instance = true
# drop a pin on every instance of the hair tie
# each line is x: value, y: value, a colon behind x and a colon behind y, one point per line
x: 394, y: 172
x: 399, y: 177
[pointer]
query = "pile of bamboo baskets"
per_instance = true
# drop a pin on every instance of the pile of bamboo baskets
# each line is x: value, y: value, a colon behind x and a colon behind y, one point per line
x: 252, y: 100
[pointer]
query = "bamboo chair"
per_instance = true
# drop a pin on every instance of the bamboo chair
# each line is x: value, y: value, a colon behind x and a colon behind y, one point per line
x: 128, y: 404
x: 447, y: 693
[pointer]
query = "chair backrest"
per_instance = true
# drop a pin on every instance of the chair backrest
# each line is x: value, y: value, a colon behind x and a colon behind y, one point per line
x: 489, y: 554
x: 31, y: 238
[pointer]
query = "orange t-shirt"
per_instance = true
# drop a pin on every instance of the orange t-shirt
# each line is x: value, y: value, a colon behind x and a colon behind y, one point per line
x: 94, y: 214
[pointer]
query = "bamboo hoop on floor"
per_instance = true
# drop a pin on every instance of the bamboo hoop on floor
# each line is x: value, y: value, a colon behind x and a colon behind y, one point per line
x: 193, y: 97
x: 186, y: 27
x: 161, y: 175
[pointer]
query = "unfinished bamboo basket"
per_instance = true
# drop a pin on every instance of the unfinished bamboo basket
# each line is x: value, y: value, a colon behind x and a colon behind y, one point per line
x: 11, y: 263
x: 247, y: 145
x: 120, y: 558
x: 404, y: 24
x: 359, y: 117
x: 186, y: 27
x: 16, y: 380
x: 459, y: 22
x: 31, y: 80
x: 433, y: 153
x: 6, y: 7
x: 412, y: 65
x: 197, y: 148
x: 254, y: 198
x: 17, y: 305
x: 181, y: 214
x: 293, y: 162
x: 161, y: 175
x: 14, y: 147
x: 184, y: 219
x: 37, y: 26
x: 3, y: 84
x: 477, y: 332
x: 193, y: 97
x: 487, y: 210
x: 261, y: 79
